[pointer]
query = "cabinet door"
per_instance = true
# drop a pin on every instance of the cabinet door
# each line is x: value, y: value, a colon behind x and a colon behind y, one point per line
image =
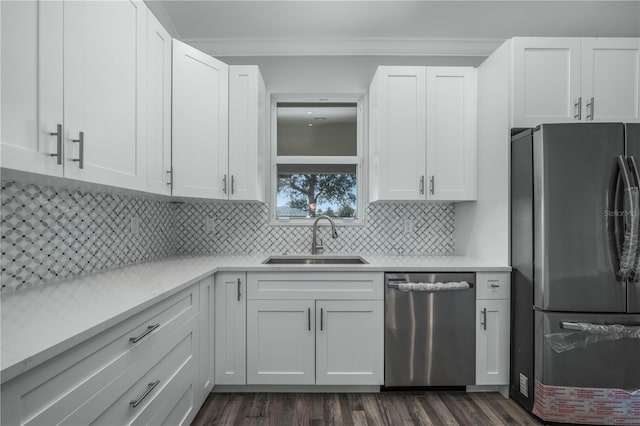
x: 451, y: 133
x: 247, y: 110
x: 611, y: 79
x: 32, y: 86
x: 349, y: 342
x: 492, y: 342
x: 230, y: 329
x: 200, y: 124
x: 206, y: 315
x: 399, y: 133
x: 158, y: 107
x: 546, y: 80
x: 104, y: 98
x: 280, y: 342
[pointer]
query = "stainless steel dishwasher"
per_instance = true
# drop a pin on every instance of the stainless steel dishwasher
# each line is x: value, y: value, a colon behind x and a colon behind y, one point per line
x: 430, y: 335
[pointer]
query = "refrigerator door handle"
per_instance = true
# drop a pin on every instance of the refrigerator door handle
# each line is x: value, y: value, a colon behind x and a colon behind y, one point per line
x: 619, y: 329
x: 629, y: 215
x: 614, y: 219
x: 633, y: 166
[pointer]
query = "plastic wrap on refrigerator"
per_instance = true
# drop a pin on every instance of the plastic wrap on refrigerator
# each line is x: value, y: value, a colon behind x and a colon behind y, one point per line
x: 583, y: 334
x: 596, y: 406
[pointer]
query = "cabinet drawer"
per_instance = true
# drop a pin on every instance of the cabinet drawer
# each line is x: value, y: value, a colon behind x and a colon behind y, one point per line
x: 52, y: 391
x: 161, y: 371
x: 315, y: 285
x: 177, y: 405
x: 493, y: 285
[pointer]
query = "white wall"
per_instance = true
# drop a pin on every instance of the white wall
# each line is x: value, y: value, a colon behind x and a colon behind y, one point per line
x: 332, y: 74
x: 482, y: 227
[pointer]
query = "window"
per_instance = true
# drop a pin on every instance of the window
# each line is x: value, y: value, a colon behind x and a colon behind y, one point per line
x: 316, y: 160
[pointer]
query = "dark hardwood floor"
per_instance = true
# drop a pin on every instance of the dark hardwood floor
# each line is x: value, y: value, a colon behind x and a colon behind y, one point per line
x: 388, y: 408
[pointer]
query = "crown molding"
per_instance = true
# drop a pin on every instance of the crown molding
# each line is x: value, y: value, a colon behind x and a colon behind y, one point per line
x: 346, y: 46
x: 161, y: 14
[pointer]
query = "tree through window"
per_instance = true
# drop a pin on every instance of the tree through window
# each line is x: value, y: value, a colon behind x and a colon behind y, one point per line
x: 317, y: 162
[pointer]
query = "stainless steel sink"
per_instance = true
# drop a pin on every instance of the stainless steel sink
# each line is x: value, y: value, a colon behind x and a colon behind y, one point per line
x: 315, y: 260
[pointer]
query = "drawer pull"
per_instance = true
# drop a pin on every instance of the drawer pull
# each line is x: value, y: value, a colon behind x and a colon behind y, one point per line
x: 144, y: 334
x: 150, y: 388
x: 494, y: 285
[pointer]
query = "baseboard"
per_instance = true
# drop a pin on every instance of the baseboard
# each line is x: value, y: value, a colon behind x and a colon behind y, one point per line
x: 296, y: 388
x: 502, y: 389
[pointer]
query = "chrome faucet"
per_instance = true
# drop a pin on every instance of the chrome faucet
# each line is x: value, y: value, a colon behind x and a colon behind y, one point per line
x: 334, y: 234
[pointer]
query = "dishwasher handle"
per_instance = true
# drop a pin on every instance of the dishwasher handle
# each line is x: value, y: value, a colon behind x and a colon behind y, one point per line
x: 407, y: 286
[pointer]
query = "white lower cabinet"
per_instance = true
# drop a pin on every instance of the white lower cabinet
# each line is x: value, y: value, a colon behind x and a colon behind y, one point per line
x: 318, y: 339
x: 206, y: 317
x: 349, y: 341
x: 492, y: 328
x: 230, y: 328
x: 280, y: 342
x: 143, y: 370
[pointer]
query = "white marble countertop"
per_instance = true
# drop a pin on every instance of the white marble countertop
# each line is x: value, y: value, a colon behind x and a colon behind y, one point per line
x: 42, y: 322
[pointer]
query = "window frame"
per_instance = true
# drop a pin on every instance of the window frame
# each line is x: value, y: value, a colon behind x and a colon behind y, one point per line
x: 357, y: 160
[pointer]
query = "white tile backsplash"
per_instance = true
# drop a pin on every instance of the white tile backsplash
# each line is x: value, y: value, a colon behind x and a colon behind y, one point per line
x: 53, y: 234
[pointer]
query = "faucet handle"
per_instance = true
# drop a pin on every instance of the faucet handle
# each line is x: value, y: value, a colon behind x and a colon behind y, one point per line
x: 320, y: 247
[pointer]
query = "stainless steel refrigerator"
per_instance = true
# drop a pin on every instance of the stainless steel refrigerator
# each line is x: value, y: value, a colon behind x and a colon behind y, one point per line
x: 575, y: 283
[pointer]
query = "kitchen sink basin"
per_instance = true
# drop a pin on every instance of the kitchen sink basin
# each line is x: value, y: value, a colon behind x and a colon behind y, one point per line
x: 315, y: 260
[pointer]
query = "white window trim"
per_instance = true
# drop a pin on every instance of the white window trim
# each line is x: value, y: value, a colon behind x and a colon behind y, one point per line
x: 358, y: 160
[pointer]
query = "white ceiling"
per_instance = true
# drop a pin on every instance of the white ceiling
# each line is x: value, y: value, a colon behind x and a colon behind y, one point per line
x: 330, y: 27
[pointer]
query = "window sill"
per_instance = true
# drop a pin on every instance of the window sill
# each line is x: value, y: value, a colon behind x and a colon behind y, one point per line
x: 308, y: 222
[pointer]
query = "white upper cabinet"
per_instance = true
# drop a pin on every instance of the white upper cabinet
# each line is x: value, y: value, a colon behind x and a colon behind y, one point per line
x: 247, y: 132
x: 565, y: 79
x: 451, y: 133
x: 397, y: 133
x: 422, y: 133
x: 200, y: 124
x: 32, y: 86
x: 158, y: 107
x: 611, y: 79
x: 546, y: 80
x: 73, y: 77
x: 104, y: 97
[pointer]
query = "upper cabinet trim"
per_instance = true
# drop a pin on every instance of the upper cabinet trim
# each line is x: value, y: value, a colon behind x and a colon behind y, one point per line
x: 346, y: 46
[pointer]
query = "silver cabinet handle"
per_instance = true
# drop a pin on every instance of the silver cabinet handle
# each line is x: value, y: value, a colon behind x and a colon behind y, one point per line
x: 484, y: 319
x: 232, y: 184
x: 224, y: 184
x: 577, y: 106
x: 144, y: 333
x: 590, y: 108
x: 494, y: 284
x: 239, y: 293
x: 321, y: 319
x: 421, y: 185
x: 170, y: 173
x: 309, y: 319
x: 150, y: 387
x: 58, y: 135
x: 432, y: 185
x: 80, y: 142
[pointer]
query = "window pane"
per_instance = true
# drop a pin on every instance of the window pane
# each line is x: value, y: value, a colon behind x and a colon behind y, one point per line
x: 310, y: 190
x: 317, y: 129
